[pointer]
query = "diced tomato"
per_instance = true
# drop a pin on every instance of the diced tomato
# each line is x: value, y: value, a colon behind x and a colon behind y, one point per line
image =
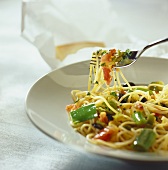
x: 107, y: 76
x: 70, y: 107
x: 112, y: 52
x: 158, y: 117
x: 103, y: 118
x: 104, y: 134
x: 122, y: 92
x: 157, y: 114
x: 108, y: 56
x: 139, y: 106
x: 106, y: 59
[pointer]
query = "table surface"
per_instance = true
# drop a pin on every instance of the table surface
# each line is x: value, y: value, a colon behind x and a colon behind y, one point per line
x: 22, y: 145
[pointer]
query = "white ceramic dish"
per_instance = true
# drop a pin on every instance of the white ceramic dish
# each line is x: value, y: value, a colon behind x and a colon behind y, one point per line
x: 47, y: 98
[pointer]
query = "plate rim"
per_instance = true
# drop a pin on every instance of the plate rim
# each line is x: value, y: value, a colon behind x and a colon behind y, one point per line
x: 78, y: 148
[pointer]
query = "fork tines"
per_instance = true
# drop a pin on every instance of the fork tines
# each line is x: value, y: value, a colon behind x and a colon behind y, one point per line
x: 93, y: 60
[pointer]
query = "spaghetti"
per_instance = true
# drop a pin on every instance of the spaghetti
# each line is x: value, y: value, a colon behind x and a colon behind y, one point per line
x: 120, y: 116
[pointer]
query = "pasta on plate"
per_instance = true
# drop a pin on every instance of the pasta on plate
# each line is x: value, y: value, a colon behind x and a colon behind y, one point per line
x: 120, y: 115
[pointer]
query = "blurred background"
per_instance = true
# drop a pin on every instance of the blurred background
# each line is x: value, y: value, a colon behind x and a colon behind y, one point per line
x: 131, y: 24
x: 10, y: 33
x: 107, y: 21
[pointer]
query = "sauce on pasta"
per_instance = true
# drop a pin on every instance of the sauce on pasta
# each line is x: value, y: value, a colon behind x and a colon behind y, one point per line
x: 116, y: 115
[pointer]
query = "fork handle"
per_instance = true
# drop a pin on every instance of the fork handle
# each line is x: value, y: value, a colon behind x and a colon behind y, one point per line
x: 156, y: 43
x: 151, y: 45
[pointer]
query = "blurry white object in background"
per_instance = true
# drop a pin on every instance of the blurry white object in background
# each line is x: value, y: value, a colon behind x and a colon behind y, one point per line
x: 143, y: 19
x: 124, y: 24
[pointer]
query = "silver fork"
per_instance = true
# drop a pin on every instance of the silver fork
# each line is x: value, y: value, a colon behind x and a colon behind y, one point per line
x: 136, y: 54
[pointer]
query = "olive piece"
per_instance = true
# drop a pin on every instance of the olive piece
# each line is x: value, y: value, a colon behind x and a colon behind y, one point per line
x: 109, y: 116
x: 131, y: 84
x: 97, y: 126
x: 164, y: 104
x: 120, y: 95
x: 144, y: 100
x: 124, y: 100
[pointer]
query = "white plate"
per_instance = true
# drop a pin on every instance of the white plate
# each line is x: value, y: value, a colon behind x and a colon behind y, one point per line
x: 48, y: 97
